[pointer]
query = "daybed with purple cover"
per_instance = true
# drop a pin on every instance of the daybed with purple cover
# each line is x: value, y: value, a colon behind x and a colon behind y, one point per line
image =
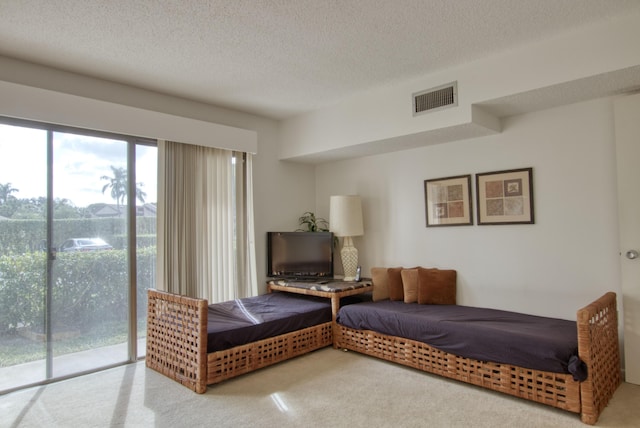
x: 571, y: 365
x: 198, y: 344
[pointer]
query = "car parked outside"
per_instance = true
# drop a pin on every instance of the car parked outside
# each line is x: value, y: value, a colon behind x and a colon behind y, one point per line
x: 84, y: 244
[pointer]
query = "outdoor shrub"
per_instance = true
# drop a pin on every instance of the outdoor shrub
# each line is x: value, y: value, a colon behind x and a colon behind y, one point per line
x: 22, y: 293
x: 87, y: 288
x: 22, y: 236
x: 120, y: 241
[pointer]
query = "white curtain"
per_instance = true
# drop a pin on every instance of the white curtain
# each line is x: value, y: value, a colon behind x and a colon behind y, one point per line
x: 205, y: 222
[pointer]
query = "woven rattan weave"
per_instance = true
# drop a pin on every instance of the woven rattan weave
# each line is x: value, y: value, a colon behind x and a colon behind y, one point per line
x: 597, y: 347
x: 177, y: 344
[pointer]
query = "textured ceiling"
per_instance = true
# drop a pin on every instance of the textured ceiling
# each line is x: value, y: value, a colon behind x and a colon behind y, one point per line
x: 278, y: 58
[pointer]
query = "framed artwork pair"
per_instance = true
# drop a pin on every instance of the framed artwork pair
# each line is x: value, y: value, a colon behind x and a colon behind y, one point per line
x: 502, y: 197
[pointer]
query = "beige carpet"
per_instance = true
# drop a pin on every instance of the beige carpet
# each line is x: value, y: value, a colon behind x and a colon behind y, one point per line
x: 327, y: 388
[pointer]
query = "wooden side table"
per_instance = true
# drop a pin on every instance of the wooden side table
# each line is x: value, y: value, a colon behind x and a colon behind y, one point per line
x: 334, y: 290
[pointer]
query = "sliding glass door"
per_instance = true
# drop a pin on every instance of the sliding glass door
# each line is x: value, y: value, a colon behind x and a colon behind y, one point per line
x: 71, y: 228
x: 23, y: 257
x: 146, y: 169
x: 87, y: 294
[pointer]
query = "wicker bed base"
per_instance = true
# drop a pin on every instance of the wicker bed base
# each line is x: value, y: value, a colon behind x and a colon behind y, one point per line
x: 233, y: 362
x: 177, y: 344
x: 597, y: 347
x: 554, y: 389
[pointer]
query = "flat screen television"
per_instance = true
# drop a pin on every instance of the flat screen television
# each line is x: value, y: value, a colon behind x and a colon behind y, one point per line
x: 300, y: 255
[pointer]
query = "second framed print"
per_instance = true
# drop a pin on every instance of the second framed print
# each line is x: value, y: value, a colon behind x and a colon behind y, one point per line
x: 505, y: 197
x: 448, y: 201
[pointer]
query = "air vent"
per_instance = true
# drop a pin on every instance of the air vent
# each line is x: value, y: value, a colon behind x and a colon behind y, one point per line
x: 435, y: 98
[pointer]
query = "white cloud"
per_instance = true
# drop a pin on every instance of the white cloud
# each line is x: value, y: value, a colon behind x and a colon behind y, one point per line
x: 79, y: 162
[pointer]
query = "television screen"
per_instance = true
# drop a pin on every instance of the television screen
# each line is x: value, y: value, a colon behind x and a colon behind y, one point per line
x: 304, y: 255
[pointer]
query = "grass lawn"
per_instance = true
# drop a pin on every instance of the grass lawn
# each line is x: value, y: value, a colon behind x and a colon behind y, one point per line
x: 16, y: 349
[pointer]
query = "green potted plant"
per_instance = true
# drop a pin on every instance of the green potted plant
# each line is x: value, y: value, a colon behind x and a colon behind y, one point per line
x: 311, y: 223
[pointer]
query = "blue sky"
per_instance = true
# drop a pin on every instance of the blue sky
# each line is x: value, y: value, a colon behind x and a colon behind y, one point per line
x: 79, y: 162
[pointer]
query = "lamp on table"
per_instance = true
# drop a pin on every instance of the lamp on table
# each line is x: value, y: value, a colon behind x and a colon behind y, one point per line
x: 345, y: 219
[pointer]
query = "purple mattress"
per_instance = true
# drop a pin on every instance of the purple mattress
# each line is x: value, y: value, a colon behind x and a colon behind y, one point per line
x: 522, y: 340
x: 241, y: 321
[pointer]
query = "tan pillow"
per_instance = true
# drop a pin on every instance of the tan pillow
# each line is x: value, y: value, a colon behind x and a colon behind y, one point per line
x: 436, y: 287
x: 410, y: 285
x: 380, y: 279
x: 395, y: 283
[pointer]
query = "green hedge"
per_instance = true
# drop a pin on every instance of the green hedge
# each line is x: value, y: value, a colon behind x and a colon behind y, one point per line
x: 22, y: 236
x: 120, y: 241
x: 87, y: 288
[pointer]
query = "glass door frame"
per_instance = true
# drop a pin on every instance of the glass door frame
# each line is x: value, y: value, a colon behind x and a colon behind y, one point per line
x: 132, y: 333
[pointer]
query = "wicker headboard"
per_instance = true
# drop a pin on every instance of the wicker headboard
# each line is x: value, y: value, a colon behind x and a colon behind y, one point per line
x: 177, y: 338
x: 598, y: 347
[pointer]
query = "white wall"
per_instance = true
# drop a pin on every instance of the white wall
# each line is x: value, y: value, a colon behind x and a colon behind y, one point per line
x: 568, y: 257
x: 570, y: 253
x: 375, y: 119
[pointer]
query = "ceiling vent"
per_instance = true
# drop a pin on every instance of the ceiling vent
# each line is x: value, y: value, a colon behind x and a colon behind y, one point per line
x: 435, y: 98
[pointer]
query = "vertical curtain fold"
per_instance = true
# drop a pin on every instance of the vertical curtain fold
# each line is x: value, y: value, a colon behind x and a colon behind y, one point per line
x: 205, y: 246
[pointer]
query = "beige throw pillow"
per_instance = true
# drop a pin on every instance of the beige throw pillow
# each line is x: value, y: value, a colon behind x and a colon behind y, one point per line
x: 410, y: 285
x: 380, y: 279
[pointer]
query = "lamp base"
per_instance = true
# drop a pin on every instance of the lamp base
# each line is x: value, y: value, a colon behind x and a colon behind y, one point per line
x: 349, y: 255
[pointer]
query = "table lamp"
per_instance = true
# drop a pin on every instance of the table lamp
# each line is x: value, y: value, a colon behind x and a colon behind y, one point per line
x: 345, y: 220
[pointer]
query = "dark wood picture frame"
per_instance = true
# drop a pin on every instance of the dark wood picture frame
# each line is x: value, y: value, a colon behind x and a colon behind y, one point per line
x: 505, y: 197
x: 448, y: 201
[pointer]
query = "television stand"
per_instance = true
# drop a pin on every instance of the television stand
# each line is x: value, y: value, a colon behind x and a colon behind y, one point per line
x: 334, y: 289
x: 306, y: 280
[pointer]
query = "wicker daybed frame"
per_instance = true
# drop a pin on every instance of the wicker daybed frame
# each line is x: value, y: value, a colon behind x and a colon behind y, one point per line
x: 177, y: 343
x: 598, y: 348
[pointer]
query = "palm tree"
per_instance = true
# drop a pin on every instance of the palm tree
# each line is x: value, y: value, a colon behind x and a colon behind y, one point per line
x: 118, y: 185
x: 140, y: 195
x: 5, y: 192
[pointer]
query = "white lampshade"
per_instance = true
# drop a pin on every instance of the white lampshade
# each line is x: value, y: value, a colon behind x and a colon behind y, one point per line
x: 345, y: 219
x: 345, y: 215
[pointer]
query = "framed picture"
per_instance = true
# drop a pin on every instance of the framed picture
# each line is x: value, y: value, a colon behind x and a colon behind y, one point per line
x: 505, y: 197
x: 448, y: 201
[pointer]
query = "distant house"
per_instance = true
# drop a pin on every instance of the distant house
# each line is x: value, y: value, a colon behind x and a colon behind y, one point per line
x: 112, y: 210
x: 146, y: 210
